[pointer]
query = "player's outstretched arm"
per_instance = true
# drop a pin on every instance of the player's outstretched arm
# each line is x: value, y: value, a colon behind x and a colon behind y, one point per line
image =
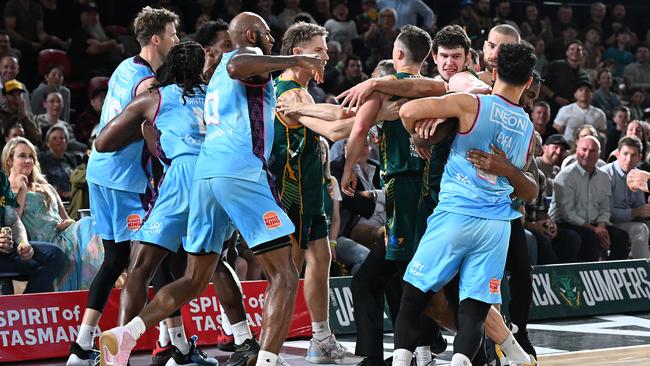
x: 407, y: 88
x: 250, y: 62
x: 324, y: 111
x: 124, y: 129
x: 459, y: 105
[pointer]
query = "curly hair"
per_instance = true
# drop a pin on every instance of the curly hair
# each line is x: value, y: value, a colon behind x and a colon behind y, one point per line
x: 150, y: 22
x: 516, y: 62
x: 416, y: 41
x: 207, y: 35
x: 183, y: 66
x: 451, y: 36
x: 298, y: 34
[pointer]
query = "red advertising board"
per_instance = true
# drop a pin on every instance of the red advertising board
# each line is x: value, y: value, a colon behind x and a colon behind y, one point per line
x: 40, y: 326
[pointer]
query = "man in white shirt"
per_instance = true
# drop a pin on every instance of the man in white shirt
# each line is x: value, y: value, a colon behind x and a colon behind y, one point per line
x: 572, y: 116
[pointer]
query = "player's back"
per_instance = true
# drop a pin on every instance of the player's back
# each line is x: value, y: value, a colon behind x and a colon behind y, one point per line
x: 467, y: 190
x: 180, y: 122
x: 239, y: 119
x: 123, y: 169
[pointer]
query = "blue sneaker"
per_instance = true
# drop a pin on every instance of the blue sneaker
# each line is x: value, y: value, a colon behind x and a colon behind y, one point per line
x: 195, y: 357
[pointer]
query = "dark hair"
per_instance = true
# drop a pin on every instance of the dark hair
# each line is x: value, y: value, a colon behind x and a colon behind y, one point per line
x: 575, y: 41
x: 451, y: 36
x: 208, y: 34
x: 631, y: 141
x: 52, y: 92
x: 641, y: 45
x: 515, y: 63
x: 54, y: 66
x: 150, y: 22
x: 416, y: 41
x: 183, y: 66
x: 351, y: 57
x: 17, y: 125
x: 298, y: 34
x: 625, y: 30
x: 537, y: 78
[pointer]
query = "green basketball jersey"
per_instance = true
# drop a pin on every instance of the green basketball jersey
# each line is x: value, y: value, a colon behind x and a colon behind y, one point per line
x: 396, y: 147
x: 296, y: 161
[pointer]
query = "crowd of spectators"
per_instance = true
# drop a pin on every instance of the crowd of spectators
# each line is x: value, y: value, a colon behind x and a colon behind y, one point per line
x: 594, y: 59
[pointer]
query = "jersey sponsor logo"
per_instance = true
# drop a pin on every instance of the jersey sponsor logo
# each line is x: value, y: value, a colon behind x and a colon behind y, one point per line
x: 509, y: 119
x: 271, y: 220
x: 133, y: 222
x: 495, y: 286
x: 394, y: 242
x: 416, y: 268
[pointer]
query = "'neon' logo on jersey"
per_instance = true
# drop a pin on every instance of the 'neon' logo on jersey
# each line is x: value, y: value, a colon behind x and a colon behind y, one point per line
x: 271, y: 220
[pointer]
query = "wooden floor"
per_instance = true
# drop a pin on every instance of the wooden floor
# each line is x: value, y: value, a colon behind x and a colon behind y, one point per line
x: 629, y: 356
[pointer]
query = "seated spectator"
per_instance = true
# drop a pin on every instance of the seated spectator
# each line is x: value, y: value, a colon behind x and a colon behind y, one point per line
x: 582, y: 202
x: 352, y: 74
x: 621, y: 115
x: 5, y: 46
x: 14, y: 111
x: 620, y: 52
x: 554, y: 150
x: 291, y: 9
x: 563, y: 77
x: 56, y: 163
x: 637, y: 99
x: 41, y: 263
x: 45, y: 218
x: 13, y: 131
x: 369, y: 16
x: 640, y: 130
x: 542, y: 61
x: 629, y: 208
x: 53, y: 82
x: 585, y: 130
x: 556, y: 49
x: 637, y: 74
x: 534, y: 27
x: 540, y: 116
x: 409, y: 11
x: 502, y: 15
x: 92, y: 51
x: 573, y: 116
x: 89, y: 118
x: 340, y: 27
x: 53, y: 104
x: 603, y: 97
x: 9, y: 69
x: 380, y: 37
x: 344, y: 250
x: 593, y: 48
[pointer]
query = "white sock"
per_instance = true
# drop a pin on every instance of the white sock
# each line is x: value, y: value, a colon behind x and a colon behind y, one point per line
x: 265, y: 358
x: 86, y: 336
x: 136, y: 327
x: 459, y: 359
x: 423, y: 355
x: 163, y: 334
x: 513, y: 350
x: 402, y: 357
x: 179, y: 340
x: 320, y: 330
x: 225, y: 322
x: 241, y: 331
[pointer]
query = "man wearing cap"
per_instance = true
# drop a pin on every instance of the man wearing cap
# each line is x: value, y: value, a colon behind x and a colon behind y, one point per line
x: 628, y: 207
x: 14, y: 111
x: 555, y: 148
x: 572, y: 116
x: 92, y: 51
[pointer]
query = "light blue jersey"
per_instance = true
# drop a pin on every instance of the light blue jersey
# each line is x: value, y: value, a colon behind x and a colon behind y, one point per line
x: 179, y: 121
x: 239, y: 118
x: 121, y: 170
x: 469, y: 191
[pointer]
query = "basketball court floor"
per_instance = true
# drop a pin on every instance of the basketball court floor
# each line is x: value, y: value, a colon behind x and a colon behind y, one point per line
x: 594, y: 341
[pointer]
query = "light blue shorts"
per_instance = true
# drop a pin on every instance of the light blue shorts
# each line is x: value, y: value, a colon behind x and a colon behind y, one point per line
x: 454, y: 242
x: 219, y: 205
x: 165, y: 224
x: 116, y: 215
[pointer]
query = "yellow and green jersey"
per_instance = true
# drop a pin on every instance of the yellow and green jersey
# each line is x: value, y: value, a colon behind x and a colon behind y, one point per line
x: 397, y: 152
x: 296, y: 161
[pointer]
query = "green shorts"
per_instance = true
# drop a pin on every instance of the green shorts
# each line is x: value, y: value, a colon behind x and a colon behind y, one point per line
x: 308, y: 228
x: 402, y: 198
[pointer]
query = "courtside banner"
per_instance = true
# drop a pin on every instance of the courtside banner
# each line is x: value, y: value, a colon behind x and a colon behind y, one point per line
x: 342, y: 307
x: 598, y: 288
x: 41, y: 326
